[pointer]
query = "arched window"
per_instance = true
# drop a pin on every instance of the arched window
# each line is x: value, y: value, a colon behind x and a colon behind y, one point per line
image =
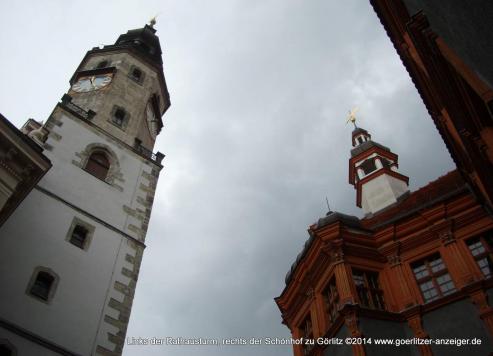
x: 98, y: 165
x: 102, y: 64
x: 43, y: 284
x: 119, y: 117
x: 6, y: 348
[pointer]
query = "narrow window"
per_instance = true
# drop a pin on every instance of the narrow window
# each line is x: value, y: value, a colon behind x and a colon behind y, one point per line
x: 306, y: 330
x: 433, y: 278
x: 331, y: 299
x: 102, y: 64
x: 369, y: 293
x: 79, y: 236
x: 481, y: 250
x: 98, y: 165
x: 119, y: 117
x: 137, y: 74
x: 42, y: 285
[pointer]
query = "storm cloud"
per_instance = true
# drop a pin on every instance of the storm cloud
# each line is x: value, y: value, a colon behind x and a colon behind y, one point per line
x: 255, y: 140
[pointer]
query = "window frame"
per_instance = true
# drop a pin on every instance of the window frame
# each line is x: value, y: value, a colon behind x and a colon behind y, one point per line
x: 52, y: 288
x: 371, y: 287
x: 486, y: 241
x: 432, y: 277
x: 88, y: 227
x: 330, y: 295
x: 93, y: 162
x: 116, y: 121
x: 139, y: 80
x: 306, y: 330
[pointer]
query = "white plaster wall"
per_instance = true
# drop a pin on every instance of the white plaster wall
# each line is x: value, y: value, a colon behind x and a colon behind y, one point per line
x: 25, y: 347
x: 105, y: 328
x: 81, y: 188
x: 381, y: 192
x: 35, y: 236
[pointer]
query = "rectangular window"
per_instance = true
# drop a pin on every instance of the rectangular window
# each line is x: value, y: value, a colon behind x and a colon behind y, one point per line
x: 42, y: 285
x: 79, y: 236
x: 331, y: 299
x: 433, y: 278
x: 369, y: 293
x: 481, y: 250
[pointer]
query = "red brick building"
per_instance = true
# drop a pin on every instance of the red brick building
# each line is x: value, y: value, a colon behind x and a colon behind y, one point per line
x: 419, y: 264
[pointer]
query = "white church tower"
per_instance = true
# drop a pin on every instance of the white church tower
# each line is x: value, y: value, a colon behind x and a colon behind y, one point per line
x: 70, y: 254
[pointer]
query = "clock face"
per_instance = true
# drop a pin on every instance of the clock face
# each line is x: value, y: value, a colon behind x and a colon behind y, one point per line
x: 151, y: 120
x: 94, y: 82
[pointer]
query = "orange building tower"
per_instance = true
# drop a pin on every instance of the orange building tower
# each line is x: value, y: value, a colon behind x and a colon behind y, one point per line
x: 415, y: 270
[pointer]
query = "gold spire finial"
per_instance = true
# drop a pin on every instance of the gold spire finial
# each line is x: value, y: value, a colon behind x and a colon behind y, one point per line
x: 152, y: 21
x: 352, y: 116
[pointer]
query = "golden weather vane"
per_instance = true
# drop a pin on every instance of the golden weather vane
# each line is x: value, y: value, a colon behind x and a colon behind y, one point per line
x: 152, y: 21
x: 352, y: 116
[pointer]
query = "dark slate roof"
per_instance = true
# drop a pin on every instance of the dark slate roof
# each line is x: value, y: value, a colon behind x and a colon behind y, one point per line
x: 144, y: 41
x: 449, y: 185
x: 331, y: 217
x: 366, y: 146
x: 359, y: 130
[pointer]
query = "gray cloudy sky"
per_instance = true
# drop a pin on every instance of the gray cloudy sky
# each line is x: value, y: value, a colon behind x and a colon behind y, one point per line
x: 255, y: 140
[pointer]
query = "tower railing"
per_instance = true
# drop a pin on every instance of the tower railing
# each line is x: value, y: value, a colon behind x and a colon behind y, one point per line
x: 89, y: 114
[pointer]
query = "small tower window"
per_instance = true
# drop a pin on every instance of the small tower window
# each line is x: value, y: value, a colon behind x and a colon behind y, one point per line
x: 119, y: 117
x: 79, y: 236
x: 42, y: 285
x: 136, y: 74
x: 102, y: 64
x: 368, y: 166
x: 98, y: 165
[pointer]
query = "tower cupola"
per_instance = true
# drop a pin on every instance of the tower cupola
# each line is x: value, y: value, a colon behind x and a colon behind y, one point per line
x: 373, y: 171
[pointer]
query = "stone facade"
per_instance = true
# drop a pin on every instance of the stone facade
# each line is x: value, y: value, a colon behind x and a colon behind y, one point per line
x: 92, y: 281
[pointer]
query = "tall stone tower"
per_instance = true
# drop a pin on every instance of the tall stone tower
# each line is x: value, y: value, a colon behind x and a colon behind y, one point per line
x: 70, y: 254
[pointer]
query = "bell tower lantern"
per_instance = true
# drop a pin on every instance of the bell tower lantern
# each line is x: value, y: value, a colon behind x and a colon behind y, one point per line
x: 373, y: 171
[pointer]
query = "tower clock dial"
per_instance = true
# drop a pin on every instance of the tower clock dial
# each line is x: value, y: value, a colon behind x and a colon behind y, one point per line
x: 151, y: 120
x: 89, y: 83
